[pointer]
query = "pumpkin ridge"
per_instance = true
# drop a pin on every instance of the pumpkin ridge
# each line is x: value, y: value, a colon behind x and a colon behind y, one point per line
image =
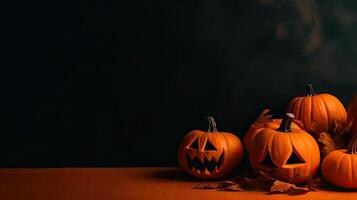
x: 341, y: 109
x: 311, y: 108
x: 326, y: 110
x: 302, y: 109
x: 340, y: 163
x: 261, y: 131
x: 288, y: 149
x: 351, y: 163
x: 307, y: 105
x: 298, y: 114
x: 304, y: 141
x: 353, y: 159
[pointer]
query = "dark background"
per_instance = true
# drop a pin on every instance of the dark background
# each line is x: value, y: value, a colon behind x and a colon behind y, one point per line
x: 119, y: 83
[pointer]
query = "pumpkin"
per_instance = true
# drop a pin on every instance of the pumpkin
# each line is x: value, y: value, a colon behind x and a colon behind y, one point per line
x: 318, y: 112
x: 339, y: 167
x: 210, y: 154
x: 352, y: 115
x: 282, y: 150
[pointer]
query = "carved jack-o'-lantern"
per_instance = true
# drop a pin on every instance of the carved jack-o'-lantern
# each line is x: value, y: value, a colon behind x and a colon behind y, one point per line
x: 279, y: 150
x: 210, y: 154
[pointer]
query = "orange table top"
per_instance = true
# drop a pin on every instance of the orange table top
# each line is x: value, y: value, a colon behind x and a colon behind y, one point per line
x: 123, y: 184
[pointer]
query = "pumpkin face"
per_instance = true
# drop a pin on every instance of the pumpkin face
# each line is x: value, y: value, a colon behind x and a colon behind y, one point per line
x: 339, y: 167
x: 318, y: 112
x: 210, y: 154
x: 282, y: 150
x: 352, y: 114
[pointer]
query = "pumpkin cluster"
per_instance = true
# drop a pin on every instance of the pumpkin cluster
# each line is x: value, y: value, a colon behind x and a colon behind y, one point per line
x: 285, y: 149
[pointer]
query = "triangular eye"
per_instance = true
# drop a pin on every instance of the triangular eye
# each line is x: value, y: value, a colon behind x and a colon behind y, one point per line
x: 267, y: 161
x: 294, y: 159
x: 209, y: 146
x: 194, y: 144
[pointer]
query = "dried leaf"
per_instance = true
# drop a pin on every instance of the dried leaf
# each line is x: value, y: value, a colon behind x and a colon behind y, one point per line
x: 280, y: 187
x: 315, y: 184
x: 258, y: 183
x: 262, y: 183
x: 298, y: 191
x: 225, y: 184
x: 233, y: 188
x: 340, y: 128
x: 206, y: 186
x: 327, y: 142
x: 264, y: 115
x: 341, y: 134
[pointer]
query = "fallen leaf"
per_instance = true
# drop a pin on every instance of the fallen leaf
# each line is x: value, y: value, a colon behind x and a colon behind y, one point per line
x: 224, y: 184
x: 258, y: 183
x: 206, y: 186
x: 298, y: 191
x: 264, y: 115
x: 280, y: 187
x: 342, y: 134
x: 341, y: 128
x: 233, y: 188
x: 315, y: 184
x: 327, y: 143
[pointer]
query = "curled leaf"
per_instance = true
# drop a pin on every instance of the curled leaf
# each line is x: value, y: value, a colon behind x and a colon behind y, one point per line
x: 258, y: 183
x: 206, y: 186
x: 264, y: 115
x: 280, y: 187
x: 225, y: 184
x: 327, y: 143
x: 341, y: 128
x: 233, y: 188
x: 315, y: 184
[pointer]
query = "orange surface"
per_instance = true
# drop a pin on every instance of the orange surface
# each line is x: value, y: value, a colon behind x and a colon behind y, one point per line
x: 123, y: 184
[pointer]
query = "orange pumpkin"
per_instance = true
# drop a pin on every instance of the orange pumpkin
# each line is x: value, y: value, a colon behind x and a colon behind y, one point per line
x: 210, y: 154
x: 282, y: 150
x: 339, y: 167
x: 318, y: 112
x: 352, y: 115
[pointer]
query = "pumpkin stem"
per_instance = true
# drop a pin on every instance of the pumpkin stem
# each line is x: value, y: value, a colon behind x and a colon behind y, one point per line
x: 212, y: 126
x: 310, y: 90
x: 352, y: 146
x: 285, y: 125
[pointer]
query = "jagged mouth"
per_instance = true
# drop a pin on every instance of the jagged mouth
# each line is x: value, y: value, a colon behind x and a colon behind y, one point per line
x: 207, y: 167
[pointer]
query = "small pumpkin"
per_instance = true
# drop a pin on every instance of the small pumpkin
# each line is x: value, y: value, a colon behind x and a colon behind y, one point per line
x: 339, y: 167
x: 352, y: 115
x: 282, y: 150
x: 318, y: 112
x: 210, y: 154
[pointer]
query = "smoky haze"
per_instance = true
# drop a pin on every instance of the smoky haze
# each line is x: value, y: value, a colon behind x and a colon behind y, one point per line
x: 120, y: 83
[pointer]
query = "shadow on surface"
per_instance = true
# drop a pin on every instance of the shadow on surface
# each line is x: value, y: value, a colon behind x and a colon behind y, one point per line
x: 175, y: 174
x: 333, y: 188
